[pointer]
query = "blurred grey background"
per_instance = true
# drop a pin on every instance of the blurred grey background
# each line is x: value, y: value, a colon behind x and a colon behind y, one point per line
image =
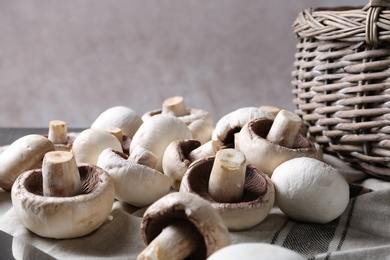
x: 71, y: 60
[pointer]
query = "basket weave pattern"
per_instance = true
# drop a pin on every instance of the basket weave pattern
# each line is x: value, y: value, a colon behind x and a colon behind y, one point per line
x: 341, y: 82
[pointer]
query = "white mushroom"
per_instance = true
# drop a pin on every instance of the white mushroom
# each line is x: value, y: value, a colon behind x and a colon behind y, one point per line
x: 119, y: 116
x: 199, y: 121
x: 181, y: 153
x: 136, y: 184
x: 267, y: 143
x: 310, y: 190
x: 232, y: 123
x: 46, y: 209
x: 242, y: 203
x: 23, y: 154
x: 91, y: 142
x: 181, y: 225
x: 157, y: 133
x: 255, y: 251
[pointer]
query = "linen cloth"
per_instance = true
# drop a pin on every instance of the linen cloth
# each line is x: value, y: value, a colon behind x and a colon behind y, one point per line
x: 361, y: 232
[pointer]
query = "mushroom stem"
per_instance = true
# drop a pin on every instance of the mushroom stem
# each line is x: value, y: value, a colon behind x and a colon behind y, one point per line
x: 58, y: 132
x: 209, y: 148
x: 174, y: 106
x: 60, y: 175
x: 143, y: 156
x: 176, y: 241
x: 227, y: 176
x: 284, y: 129
x: 116, y: 131
x: 273, y: 110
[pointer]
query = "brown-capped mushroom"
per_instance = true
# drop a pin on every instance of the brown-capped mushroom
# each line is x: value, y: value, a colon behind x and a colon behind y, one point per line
x: 181, y: 153
x: 50, y: 202
x: 23, y: 154
x: 232, y: 123
x: 157, y: 133
x: 267, y: 143
x: 91, y: 142
x: 136, y: 183
x: 121, y: 117
x: 182, y: 226
x: 199, y: 121
x: 242, y: 195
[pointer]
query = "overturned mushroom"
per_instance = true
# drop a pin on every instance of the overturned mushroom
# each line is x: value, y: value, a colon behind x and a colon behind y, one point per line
x: 267, y: 143
x: 91, y: 142
x: 121, y: 117
x: 242, y: 195
x: 23, y: 154
x: 199, y: 121
x: 135, y: 183
x: 63, y: 200
x: 232, y: 123
x: 181, y: 153
x: 157, y: 133
x: 58, y: 135
x: 182, y: 226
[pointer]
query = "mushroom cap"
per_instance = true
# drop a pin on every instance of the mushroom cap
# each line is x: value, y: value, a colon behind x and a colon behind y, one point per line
x: 254, y: 207
x: 23, y: 154
x: 310, y: 190
x: 265, y: 155
x: 136, y: 184
x: 64, y: 217
x: 190, y: 207
x: 232, y: 123
x: 91, y: 142
x: 176, y: 160
x: 255, y: 251
x: 157, y: 133
x: 199, y: 121
x: 119, y: 116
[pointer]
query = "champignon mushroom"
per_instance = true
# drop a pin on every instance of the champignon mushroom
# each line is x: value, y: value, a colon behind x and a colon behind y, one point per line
x: 157, y: 133
x: 181, y: 153
x: 91, y: 142
x: 199, y: 121
x: 242, y: 195
x: 255, y: 251
x: 50, y: 203
x: 182, y: 225
x: 123, y: 139
x: 135, y: 183
x: 298, y: 179
x: 58, y: 135
x: 232, y: 123
x: 119, y: 116
x: 23, y: 154
x: 267, y: 143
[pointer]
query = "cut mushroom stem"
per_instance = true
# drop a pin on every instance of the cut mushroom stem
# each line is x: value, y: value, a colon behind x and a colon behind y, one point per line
x: 174, y: 106
x: 284, y: 129
x: 209, y: 148
x: 273, y: 110
x: 143, y: 156
x: 227, y: 176
x: 58, y: 132
x: 176, y: 241
x: 115, y: 131
x: 60, y: 174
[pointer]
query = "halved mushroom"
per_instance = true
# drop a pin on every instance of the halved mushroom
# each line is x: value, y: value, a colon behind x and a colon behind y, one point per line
x: 181, y: 153
x: 50, y: 203
x: 232, y: 123
x: 182, y: 226
x: 241, y: 194
x: 157, y: 133
x: 91, y: 142
x: 199, y: 121
x: 267, y: 143
x: 135, y: 183
x: 23, y: 154
x: 121, y: 117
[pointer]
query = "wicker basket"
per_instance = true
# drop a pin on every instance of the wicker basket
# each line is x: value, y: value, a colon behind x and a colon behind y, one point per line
x: 341, y: 82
